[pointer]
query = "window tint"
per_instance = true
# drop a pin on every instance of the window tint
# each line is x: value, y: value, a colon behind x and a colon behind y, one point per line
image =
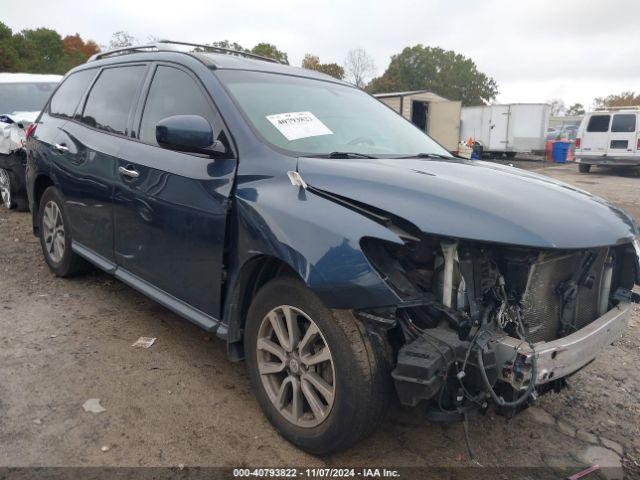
x: 599, y: 123
x: 172, y: 92
x: 112, y: 97
x: 624, y: 122
x: 67, y: 97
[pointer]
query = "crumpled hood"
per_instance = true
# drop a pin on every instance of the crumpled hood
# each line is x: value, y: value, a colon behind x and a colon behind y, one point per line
x: 19, y: 117
x: 475, y: 200
x: 12, y: 135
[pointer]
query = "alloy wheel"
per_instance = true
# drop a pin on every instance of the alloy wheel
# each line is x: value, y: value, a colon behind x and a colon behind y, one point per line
x: 53, y: 231
x: 5, y: 188
x: 296, y: 367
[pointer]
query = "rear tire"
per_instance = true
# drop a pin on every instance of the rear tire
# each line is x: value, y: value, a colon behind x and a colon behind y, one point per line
x: 55, y: 237
x: 355, y: 372
x: 584, y: 167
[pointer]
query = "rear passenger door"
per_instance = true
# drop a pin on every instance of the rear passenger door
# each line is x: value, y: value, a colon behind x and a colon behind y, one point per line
x: 622, y: 138
x: 595, y: 140
x: 89, y: 147
x: 171, y: 207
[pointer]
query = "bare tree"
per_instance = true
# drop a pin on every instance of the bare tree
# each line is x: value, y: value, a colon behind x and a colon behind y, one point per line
x: 558, y: 108
x: 359, y: 67
x: 122, y: 39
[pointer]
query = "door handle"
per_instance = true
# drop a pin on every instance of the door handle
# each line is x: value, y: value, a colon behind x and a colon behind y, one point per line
x: 128, y: 172
x: 61, y: 147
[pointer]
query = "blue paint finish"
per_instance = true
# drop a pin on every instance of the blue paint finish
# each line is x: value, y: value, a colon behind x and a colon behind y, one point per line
x: 85, y: 177
x: 475, y: 200
x: 316, y: 237
x: 170, y: 226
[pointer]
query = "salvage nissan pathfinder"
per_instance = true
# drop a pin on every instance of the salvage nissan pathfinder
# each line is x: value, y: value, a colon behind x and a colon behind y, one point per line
x: 336, y: 248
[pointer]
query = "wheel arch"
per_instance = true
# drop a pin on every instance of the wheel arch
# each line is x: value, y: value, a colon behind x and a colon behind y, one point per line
x: 252, y: 276
x: 40, y: 184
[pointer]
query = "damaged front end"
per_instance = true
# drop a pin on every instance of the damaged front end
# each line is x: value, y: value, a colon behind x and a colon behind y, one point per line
x: 482, y: 322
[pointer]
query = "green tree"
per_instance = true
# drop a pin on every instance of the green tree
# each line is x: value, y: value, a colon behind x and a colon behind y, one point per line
x: 443, y: 72
x: 576, y: 109
x: 229, y: 45
x: 270, y: 51
x: 312, y: 62
x: 40, y: 50
x: 9, y: 58
x: 624, y: 99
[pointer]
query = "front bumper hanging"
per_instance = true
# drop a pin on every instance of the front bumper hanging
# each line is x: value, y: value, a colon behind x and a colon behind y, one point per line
x: 566, y: 355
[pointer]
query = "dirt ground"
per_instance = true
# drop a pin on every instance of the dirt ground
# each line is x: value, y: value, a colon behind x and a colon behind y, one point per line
x: 181, y: 402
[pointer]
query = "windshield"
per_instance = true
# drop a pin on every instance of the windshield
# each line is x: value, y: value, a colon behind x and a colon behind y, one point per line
x: 24, y: 97
x: 314, y: 117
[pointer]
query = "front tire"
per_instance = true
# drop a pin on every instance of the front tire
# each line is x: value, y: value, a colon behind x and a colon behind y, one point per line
x: 55, y: 236
x: 320, y: 377
x: 6, y: 189
x: 584, y: 167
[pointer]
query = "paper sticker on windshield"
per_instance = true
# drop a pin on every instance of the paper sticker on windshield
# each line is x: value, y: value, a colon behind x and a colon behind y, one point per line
x: 296, y: 125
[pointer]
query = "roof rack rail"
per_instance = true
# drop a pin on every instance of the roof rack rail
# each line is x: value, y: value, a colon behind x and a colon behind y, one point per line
x: 625, y: 107
x: 215, y: 49
x: 166, y: 45
x: 123, y: 50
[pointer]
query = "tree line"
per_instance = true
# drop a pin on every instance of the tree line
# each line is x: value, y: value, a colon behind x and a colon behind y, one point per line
x: 419, y: 67
x: 42, y: 51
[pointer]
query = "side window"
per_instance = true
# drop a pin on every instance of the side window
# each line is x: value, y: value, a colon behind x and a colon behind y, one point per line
x: 598, y: 123
x: 112, y: 97
x: 67, y: 97
x: 173, y: 92
x: 624, y: 122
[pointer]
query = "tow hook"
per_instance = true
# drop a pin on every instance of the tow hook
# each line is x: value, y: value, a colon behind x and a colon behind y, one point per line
x: 625, y: 295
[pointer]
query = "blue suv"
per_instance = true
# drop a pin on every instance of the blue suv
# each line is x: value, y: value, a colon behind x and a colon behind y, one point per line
x: 342, y: 253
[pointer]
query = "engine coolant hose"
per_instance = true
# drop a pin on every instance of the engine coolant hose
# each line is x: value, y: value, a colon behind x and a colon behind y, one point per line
x: 499, y: 400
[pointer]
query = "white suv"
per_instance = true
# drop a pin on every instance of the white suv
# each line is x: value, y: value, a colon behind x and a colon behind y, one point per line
x: 609, y: 137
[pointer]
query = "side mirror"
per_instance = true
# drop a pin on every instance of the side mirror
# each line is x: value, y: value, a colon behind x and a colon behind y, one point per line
x: 188, y: 133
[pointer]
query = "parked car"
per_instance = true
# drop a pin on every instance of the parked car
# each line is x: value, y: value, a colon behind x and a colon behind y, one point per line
x: 552, y: 133
x: 608, y: 137
x: 22, y: 96
x: 569, y: 132
x: 338, y: 250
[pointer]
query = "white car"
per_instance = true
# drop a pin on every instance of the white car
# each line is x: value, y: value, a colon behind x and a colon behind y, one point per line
x: 22, y: 96
x: 609, y: 137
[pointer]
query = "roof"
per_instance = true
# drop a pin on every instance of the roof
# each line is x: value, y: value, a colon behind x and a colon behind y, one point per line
x: 408, y: 93
x: 219, y: 58
x: 28, y: 78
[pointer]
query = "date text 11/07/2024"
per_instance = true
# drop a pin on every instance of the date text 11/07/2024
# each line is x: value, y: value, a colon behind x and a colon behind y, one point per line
x: 316, y: 472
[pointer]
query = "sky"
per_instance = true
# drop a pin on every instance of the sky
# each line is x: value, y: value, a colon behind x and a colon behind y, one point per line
x: 536, y: 50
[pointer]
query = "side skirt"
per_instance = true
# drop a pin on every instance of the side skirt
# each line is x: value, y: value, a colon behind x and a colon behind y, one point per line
x: 207, y: 322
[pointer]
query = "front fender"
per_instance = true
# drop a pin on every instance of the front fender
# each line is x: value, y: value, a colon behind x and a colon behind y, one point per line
x: 316, y: 237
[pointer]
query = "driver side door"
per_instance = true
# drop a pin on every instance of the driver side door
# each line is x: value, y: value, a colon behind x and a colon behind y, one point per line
x: 170, y: 207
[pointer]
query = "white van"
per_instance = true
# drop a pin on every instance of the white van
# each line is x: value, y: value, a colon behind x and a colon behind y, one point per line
x: 609, y: 137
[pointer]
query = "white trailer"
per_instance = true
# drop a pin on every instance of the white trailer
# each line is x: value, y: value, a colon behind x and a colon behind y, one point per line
x: 506, y: 129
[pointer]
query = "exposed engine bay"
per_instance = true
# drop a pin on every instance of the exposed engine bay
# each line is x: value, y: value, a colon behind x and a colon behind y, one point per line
x: 481, y: 323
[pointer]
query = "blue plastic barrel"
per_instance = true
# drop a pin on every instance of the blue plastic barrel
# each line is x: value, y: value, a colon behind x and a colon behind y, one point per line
x: 559, y: 151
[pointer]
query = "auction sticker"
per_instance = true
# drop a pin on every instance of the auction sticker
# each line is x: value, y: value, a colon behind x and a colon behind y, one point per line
x: 296, y: 125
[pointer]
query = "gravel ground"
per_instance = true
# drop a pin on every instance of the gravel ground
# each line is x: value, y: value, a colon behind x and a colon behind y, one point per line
x: 181, y: 402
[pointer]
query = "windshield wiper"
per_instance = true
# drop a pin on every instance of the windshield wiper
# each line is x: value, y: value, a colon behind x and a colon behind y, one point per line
x: 426, y: 155
x: 348, y: 155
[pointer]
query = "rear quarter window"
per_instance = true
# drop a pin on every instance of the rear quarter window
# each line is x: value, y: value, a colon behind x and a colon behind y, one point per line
x: 66, y: 99
x: 112, y: 97
x: 624, y: 122
x: 599, y: 123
